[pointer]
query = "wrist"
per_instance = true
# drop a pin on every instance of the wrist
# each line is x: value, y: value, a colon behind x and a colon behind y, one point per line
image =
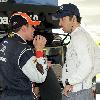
x: 39, y: 54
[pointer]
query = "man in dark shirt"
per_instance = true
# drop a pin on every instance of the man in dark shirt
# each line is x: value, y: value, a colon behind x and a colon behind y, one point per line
x: 19, y: 64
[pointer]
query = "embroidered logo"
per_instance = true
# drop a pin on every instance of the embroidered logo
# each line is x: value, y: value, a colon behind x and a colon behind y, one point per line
x: 14, y: 23
x: 40, y: 68
x: 2, y: 52
x: 3, y: 48
x: 3, y: 59
x: 61, y: 7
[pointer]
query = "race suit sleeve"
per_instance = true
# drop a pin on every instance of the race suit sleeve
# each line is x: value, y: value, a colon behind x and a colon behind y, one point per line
x: 34, y: 68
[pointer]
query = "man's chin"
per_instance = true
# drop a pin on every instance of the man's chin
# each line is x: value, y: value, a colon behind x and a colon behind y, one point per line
x: 64, y: 31
x: 30, y: 39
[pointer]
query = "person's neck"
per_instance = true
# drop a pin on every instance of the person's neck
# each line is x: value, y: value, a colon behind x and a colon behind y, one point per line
x: 75, y: 26
x: 21, y: 35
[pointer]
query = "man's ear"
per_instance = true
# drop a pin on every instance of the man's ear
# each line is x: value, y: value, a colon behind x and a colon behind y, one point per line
x: 24, y: 28
x: 74, y: 18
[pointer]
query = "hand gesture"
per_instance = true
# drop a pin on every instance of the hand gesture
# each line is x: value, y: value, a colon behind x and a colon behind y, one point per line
x: 67, y: 89
x: 39, y: 42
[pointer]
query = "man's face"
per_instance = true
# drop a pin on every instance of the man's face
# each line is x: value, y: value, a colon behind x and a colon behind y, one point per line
x: 29, y: 31
x: 66, y: 24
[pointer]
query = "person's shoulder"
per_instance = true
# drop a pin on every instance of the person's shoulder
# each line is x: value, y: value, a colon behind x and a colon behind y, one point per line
x: 11, y: 42
x: 6, y: 40
x: 80, y: 34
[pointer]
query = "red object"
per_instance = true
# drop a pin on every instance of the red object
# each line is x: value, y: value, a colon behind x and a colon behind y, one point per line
x: 39, y: 54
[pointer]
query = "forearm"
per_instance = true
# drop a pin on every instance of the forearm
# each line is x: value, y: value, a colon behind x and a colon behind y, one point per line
x: 36, y: 69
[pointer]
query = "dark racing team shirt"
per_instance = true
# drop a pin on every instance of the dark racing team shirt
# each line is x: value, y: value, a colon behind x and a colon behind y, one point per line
x: 19, y: 66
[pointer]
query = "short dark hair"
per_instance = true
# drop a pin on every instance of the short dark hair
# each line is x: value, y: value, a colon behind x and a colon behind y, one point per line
x: 18, y: 29
x: 77, y: 17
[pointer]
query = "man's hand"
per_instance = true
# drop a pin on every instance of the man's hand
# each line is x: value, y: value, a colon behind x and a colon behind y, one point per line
x: 39, y: 42
x: 49, y: 64
x: 67, y: 89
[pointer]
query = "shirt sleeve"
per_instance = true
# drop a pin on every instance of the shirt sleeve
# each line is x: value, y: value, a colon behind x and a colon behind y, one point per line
x: 84, y: 66
x: 34, y: 68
